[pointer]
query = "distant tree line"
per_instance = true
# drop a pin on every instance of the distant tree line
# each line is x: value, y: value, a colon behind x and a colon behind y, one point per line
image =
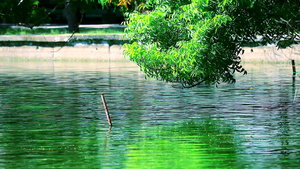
x: 30, y: 13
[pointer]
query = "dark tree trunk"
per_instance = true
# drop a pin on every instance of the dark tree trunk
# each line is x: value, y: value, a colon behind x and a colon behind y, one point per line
x: 72, y: 16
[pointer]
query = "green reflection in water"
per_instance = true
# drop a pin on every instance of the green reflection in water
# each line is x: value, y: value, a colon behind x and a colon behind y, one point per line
x: 56, y: 120
x: 205, y: 144
x: 49, y: 125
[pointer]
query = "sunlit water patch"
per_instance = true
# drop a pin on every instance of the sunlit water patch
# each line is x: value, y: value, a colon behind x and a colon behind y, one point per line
x: 51, y: 116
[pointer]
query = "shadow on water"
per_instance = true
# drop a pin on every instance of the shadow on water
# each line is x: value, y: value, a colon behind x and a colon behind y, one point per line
x: 51, y: 116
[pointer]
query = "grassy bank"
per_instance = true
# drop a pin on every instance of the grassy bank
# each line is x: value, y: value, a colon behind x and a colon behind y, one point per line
x: 55, y: 31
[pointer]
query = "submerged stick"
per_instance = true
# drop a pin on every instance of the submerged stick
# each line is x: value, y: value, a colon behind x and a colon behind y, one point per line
x: 106, y: 110
x: 295, y: 96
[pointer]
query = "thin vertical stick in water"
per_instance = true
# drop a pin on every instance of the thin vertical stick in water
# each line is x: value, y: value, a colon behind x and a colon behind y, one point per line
x: 294, y: 72
x: 106, y: 110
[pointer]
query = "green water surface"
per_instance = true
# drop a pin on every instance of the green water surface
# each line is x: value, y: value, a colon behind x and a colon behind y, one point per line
x: 51, y: 116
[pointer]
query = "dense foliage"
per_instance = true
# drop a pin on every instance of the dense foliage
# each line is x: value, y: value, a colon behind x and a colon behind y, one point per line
x: 199, y: 41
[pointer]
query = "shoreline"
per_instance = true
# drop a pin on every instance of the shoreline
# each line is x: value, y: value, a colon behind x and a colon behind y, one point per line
x: 97, y: 52
x: 62, y: 47
x: 108, y: 48
x: 114, y: 52
x: 270, y: 54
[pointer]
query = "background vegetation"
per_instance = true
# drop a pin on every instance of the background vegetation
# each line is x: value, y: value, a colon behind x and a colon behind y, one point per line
x: 186, y: 41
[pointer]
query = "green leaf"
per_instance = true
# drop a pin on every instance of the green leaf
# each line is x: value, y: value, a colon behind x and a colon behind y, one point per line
x: 36, y: 2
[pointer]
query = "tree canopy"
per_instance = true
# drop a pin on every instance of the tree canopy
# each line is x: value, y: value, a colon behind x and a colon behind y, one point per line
x: 200, y: 41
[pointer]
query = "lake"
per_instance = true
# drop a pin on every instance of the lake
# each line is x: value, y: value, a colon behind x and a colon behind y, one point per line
x: 52, y: 116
